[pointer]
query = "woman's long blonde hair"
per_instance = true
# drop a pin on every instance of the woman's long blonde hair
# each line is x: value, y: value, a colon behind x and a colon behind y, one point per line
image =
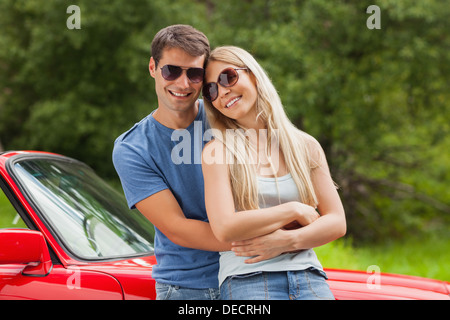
x: 291, y: 141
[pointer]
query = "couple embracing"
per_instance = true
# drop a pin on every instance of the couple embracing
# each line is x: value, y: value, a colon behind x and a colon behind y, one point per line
x: 242, y: 226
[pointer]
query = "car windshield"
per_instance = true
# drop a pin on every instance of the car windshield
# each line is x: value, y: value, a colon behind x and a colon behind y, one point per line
x: 87, y: 215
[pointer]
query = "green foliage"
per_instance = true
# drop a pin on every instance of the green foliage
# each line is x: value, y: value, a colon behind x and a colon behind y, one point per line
x: 9, y: 217
x: 427, y: 257
x: 377, y: 100
x: 75, y: 91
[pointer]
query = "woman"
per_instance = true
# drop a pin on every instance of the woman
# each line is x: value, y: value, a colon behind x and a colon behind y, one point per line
x: 262, y: 174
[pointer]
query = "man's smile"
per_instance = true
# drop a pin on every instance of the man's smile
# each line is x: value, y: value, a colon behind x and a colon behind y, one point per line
x: 180, y: 94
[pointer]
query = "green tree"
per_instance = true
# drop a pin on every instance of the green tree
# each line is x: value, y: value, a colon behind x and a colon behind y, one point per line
x: 377, y: 100
x: 74, y: 91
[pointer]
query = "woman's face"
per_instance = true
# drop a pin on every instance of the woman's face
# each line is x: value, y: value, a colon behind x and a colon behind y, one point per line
x: 238, y: 101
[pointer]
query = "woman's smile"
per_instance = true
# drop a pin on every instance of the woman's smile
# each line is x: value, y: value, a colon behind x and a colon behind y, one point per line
x: 232, y: 102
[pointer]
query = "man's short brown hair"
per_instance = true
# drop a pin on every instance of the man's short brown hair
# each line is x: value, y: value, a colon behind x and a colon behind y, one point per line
x: 185, y: 37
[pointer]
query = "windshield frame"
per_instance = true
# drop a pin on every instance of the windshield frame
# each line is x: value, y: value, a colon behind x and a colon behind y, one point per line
x: 10, y: 166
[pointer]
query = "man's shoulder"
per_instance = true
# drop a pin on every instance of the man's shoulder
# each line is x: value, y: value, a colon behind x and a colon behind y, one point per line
x: 133, y: 143
x: 135, y: 132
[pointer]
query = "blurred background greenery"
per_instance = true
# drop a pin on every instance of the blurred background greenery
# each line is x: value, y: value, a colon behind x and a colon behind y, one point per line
x: 377, y: 100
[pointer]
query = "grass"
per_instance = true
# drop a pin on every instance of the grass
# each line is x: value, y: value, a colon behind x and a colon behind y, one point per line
x: 8, y: 215
x: 429, y: 257
x: 426, y: 257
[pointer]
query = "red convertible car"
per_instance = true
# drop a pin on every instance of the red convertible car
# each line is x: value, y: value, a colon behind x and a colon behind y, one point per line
x: 68, y: 235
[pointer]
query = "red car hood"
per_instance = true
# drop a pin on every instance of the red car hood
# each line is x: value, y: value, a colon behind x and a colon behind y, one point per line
x: 361, y: 285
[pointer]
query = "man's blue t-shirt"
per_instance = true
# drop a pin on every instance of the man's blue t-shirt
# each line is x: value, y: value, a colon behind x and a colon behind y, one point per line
x: 150, y: 158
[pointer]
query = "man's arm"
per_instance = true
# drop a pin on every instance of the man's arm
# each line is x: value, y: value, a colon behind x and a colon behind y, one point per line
x: 164, y: 212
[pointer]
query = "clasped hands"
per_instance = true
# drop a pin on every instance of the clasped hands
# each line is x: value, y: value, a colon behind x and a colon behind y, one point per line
x: 279, y: 241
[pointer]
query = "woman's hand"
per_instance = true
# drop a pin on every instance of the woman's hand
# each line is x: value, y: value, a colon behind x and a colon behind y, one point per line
x: 292, y: 226
x: 305, y: 215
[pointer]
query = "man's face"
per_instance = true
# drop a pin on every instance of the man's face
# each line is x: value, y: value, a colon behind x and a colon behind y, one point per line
x: 181, y: 93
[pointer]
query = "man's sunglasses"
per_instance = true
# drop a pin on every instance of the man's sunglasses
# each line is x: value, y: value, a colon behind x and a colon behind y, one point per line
x: 227, y: 78
x: 170, y: 73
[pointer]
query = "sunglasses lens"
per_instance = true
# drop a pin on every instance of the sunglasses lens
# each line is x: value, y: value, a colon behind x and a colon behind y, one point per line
x: 170, y: 73
x: 228, y: 77
x: 210, y: 91
x: 195, y: 74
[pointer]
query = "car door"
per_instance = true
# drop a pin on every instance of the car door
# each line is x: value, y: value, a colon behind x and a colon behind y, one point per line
x: 71, y: 282
x: 59, y: 284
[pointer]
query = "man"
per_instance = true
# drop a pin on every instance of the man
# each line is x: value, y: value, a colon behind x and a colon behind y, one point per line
x: 165, y: 183
x: 171, y: 195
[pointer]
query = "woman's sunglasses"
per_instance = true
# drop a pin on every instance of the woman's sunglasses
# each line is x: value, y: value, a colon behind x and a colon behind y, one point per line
x: 227, y: 78
x: 170, y: 73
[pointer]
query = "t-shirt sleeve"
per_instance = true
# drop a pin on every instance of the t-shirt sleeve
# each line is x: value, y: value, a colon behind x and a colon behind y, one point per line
x: 138, y: 175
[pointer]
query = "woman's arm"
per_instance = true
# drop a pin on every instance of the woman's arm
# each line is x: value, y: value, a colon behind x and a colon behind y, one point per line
x: 330, y: 226
x: 228, y: 225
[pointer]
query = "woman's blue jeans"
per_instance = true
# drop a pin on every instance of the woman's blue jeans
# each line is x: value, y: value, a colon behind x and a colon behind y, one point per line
x: 285, y: 285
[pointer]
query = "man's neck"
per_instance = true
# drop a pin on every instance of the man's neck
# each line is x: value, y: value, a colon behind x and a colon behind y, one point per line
x: 176, y: 119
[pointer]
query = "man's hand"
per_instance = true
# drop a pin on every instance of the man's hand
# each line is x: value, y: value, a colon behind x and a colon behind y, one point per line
x: 265, y: 247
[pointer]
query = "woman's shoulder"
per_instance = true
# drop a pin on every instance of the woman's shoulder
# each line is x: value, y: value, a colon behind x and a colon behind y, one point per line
x: 213, y: 152
x: 213, y: 143
x: 310, y: 142
x: 314, y: 149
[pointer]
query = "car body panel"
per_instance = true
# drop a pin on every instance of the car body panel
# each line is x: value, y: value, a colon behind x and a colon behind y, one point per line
x: 131, y: 277
x: 60, y: 283
x: 134, y: 275
x: 360, y: 285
